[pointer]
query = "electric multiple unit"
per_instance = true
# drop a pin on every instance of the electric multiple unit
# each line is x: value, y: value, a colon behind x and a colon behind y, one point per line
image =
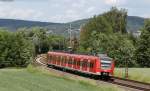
x: 96, y: 65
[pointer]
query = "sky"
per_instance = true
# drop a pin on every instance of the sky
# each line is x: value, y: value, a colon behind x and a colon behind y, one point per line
x: 68, y: 10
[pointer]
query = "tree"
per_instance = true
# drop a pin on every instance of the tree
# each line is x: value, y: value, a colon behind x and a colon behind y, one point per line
x: 38, y: 36
x: 113, y: 21
x: 15, y: 50
x: 117, y: 18
x: 142, y: 53
x: 57, y: 42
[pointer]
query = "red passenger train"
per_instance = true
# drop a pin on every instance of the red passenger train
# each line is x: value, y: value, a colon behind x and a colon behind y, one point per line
x: 95, y: 65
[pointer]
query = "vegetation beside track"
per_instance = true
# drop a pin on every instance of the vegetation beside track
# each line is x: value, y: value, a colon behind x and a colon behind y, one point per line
x: 138, y: 74
x: 35, y: 79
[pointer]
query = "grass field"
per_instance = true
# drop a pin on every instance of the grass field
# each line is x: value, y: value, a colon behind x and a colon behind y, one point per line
x: 139, y: 74
x: 33, y: 79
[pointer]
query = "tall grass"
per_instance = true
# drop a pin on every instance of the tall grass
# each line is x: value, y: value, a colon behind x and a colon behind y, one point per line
x: 139, y: 74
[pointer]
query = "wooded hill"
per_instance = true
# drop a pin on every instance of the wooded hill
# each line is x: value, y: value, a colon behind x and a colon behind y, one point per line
x: 133, y: 24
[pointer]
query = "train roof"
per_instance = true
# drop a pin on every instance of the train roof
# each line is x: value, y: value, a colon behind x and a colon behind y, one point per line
x: 75, y: 55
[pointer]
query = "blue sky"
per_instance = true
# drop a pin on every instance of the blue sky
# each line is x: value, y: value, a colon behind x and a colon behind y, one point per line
x: 67, y: 10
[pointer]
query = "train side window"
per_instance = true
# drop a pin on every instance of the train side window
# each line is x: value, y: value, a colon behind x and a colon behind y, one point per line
x: 62, y: 59
x: 49, y: 57
x: 56, y: 58
x: 78, y: 63
x: 91, y: 64
x: 84, y: 63
x: 52, y: 57
x: 73, y: 61
x: 65, y: 60
x: 81, y: 63
x: 69, y: 60
x: 88, y: 63
x: 59, y: 58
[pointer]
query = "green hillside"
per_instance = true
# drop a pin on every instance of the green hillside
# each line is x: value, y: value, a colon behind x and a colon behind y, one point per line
x: 134, y: 23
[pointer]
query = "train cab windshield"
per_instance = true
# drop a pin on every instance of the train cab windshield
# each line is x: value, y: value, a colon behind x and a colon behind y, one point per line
x: 105, y: 62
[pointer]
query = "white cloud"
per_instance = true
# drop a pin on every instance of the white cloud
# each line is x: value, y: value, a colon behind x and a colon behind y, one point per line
x: 110, y: 2
x: 19, y: 13
x: 79, y: 3
x: 69, y: 15
x: 90, y: 9
x: 145, y: 15
x: 115, y: 2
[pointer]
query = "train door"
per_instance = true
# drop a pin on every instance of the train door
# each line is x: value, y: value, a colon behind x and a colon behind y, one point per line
x: 64, y: 61
x: 75, y: 63
x: 81, y: 63
x: 78, y: 63
x: 55, y: 59
x: 61, y: 60
x: 49, y: 58
x: 91, y: 66
x: 72, y: 62
x: 52, y: 59
x: 84, y: 65
x: 69, y: 62
x: 58, y: 60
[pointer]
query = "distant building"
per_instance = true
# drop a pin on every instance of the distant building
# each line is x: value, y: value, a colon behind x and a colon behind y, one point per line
x: 50, y: 32
x: 137, y: 33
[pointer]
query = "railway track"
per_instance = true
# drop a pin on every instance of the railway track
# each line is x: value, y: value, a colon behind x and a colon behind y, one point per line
x: 140, y: 86
x: 131, y: 84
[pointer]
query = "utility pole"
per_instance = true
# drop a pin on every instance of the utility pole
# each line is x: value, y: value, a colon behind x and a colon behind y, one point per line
x: 126, y: 68
x: 70, y: 34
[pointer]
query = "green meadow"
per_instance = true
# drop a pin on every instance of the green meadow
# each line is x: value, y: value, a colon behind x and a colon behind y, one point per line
x: 36, y: 79
x: 139, y: 74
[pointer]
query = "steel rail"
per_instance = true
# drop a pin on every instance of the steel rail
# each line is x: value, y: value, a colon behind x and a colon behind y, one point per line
x: 131, y: 83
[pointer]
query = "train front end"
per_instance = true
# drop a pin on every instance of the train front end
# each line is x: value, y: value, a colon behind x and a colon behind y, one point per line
x: 106, y: 66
